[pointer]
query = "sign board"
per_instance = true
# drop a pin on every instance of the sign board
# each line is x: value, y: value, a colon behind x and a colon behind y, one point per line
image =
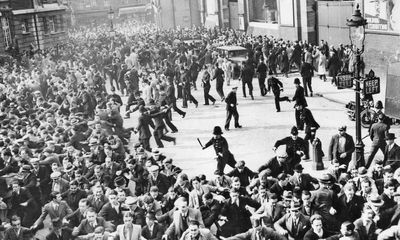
x: 382, y: 15
x: 344, y: 81
x: 371, y: 85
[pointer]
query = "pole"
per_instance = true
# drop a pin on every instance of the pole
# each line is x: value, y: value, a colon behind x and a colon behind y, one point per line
x: 359, y: 147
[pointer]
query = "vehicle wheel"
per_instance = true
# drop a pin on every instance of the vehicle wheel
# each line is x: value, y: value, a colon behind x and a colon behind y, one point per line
x: 366, y: 117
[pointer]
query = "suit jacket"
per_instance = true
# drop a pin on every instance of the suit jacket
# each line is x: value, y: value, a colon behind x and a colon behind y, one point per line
x: 210, y: 213
x: 162, y: 182
x: 286, y: 222
x: 269, y: 217
x: 11, y: 234
x: 204, y: 234
x: 56, y: 215
x: 365, y: 232
x: 311, y: 235
x: 157, y: 233
x: 334, y: 147
x: 231, y: 99
x: 304, y: 181
x: 73, y: 198
x: 97, y: 205
x: 110, y: 214
x: 392, y: 157
x: 85, y: 228
x: 349, y: 211
x: 265, y: 233
x: 299, y: 97
x: 238, y: 217
x: 175, y: 229
x: 378, y: 132
x: 135, y: 234
x: 144, y: 122
x: 75, y: 218
x: 275, y: 167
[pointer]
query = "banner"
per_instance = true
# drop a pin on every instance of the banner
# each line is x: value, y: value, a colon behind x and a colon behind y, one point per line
x: 383, y: 15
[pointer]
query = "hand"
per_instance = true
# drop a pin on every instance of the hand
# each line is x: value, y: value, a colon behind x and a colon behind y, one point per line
x: 220, y: 154
x: 343, y: 155
x: 65, y: 221
x: 282, y: 232
x: 299, y: 152
x: 118, y: 172
x: 164, y: 237
x: 232, y: 105
x: 24, y: 204
x: 332, y: 211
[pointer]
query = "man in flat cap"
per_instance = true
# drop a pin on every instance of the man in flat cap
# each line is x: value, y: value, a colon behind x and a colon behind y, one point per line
x: 377, y: 134
x: 341, y: 147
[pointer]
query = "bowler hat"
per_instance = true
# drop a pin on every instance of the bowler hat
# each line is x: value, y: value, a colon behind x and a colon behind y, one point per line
x: 298, y: 167
x: 296, y: 81
x: 390, y: 136
x: 342, y: 128
x: 119, y: 181
x: 217, y: 130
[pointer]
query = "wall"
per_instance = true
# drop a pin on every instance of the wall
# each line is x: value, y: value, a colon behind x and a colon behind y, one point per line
x: 381, y: 52
x: 183, y: 13
x: 332, y: 21
x: 24, y: 39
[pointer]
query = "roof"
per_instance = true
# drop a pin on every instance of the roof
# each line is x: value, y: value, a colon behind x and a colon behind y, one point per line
x: 232, y: 48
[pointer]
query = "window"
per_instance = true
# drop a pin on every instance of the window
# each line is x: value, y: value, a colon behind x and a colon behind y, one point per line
x: 265, y: 11
x: 46, y: 28
x: 25, y: 25
x: 52, y: 24
x: 61, y: 22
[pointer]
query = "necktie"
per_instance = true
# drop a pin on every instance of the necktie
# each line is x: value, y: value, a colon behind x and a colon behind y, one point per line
x: 273, y: 211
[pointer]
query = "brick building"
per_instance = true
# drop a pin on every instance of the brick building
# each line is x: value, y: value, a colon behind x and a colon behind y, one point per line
x: 40, y: 23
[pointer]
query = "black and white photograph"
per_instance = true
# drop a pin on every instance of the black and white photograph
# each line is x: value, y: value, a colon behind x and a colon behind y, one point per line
x: 199, y: 119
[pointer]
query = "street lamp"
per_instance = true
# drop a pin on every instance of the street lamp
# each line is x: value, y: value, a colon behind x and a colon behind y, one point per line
x: 356, y: 26
x: 111, y: 17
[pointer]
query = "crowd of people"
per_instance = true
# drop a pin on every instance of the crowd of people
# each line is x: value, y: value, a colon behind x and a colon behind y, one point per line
x: 66, y: 155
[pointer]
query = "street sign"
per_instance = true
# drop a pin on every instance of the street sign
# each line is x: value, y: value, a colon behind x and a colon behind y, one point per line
x: 371, y: 85
x: 345, y: 81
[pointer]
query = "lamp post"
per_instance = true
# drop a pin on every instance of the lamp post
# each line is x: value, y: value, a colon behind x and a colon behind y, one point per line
x: 356, y: 26
x: 111, y: 17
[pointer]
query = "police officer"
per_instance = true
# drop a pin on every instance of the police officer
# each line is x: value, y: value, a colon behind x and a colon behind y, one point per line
x: 224, y: 156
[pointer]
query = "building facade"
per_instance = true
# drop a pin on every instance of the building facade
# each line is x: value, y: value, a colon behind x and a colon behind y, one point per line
x: 97, y: 11
x: 31, y: 23
x: 176, y: 13
x: 288, y: 19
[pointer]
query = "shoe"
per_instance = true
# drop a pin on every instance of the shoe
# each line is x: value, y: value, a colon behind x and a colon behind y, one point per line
x: 244, y: 96
x: 278, y: 110
x: 226, y: 129
x: 175, y: 131
x: 252, y: 98
x: 127, y: 117
x: 238, y: 126
x: 213, y: 102
x: 174, y: 141
x: 206, y: 104
x: 306, y: 95
x: 160, y: 146
x: 311, y: 94
x: 196, y: 104
x: 223, y: 98
x: 184, y: 115
x: 184, y: 106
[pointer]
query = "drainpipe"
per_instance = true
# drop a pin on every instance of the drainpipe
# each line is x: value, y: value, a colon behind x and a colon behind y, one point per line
x: 173, y: 13
x: 36, y: 27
